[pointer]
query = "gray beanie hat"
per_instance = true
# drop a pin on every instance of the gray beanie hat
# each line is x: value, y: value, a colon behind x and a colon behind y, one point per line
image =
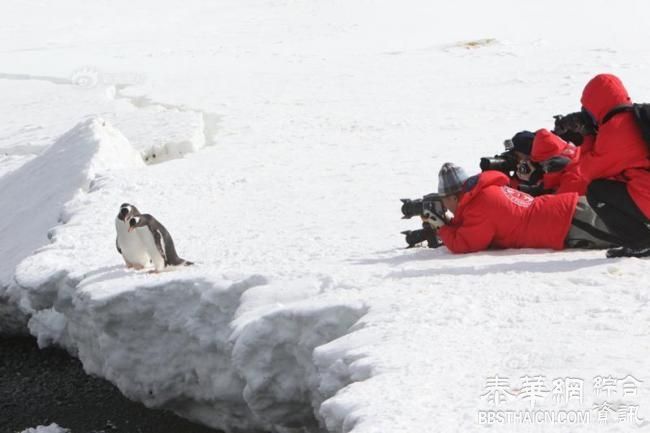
x: 451, y: 179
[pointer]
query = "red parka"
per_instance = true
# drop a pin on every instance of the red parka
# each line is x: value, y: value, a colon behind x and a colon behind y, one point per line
x: 490, y: 214
x: 619, y: 151
x: 547, y: 145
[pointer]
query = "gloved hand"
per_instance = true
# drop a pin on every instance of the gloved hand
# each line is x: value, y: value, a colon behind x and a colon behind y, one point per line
x: 525, y: 170
x: 554, y: 164
x: 433, y: 219
x: 534, y: 190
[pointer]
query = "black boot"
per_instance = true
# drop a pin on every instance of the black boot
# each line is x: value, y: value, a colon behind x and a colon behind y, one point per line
x: 628, y: 252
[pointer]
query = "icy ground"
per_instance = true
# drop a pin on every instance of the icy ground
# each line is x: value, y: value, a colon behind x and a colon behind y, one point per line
x: 287, y: 130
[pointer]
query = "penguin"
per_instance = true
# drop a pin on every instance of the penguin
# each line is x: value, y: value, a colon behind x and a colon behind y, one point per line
x: 128, y: 244
x: 157, y: 240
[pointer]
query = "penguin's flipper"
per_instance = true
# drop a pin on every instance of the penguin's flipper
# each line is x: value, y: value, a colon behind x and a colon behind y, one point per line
x: 117, y: 245
x: 160, y: 244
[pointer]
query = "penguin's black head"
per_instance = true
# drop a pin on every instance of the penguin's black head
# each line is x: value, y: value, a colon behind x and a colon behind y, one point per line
x: 127, y: 211
x: 133, y: 223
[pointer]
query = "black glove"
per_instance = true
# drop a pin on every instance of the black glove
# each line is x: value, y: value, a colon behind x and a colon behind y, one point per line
x: 534, y: 190
x: 555, y: 164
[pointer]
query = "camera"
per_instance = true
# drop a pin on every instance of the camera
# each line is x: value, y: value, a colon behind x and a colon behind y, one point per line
x: 574, y: 126
x: 505, y: 162
x: 426, y: 233
x: 430, y: 202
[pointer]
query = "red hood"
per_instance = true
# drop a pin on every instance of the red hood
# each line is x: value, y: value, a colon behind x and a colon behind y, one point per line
x: 547, y: 145
x: 602, y: 93
x: 476, y: 184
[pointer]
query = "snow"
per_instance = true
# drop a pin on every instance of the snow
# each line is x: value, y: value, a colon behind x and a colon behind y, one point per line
x: 285, y: 134
x: 172, y: 131
x: 52, y: 428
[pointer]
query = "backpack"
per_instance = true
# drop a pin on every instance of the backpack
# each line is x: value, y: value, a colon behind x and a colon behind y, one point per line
x: 641, y: 115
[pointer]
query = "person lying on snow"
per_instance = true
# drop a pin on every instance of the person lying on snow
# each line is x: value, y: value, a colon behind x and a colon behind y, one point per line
x: 543, y: 159
x: 487, y: 213
x: 615, y: 173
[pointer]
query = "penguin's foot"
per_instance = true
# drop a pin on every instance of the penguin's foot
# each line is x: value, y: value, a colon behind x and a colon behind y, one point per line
x: 136, y: 266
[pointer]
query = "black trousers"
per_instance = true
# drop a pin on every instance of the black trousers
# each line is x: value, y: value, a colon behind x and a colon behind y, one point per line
x: 621, y: 215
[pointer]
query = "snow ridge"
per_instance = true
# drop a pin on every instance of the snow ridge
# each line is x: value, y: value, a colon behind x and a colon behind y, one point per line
x: 237, y: 353
x: 34, y: 196
x: 175, y: 142
x: 186, y: 345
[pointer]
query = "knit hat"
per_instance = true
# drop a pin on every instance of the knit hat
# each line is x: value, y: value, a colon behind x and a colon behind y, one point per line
x: 450, y: 179
x: 523, y: 142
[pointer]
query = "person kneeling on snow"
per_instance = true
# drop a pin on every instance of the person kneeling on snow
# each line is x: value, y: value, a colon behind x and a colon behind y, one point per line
x: 487, y: 213
x: 615, y: 173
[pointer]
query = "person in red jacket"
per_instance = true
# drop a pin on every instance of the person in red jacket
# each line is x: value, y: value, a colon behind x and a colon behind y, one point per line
x: 487, y: 213
x: 555, y: 156
x: 615, y: 174
x: 548, y: 159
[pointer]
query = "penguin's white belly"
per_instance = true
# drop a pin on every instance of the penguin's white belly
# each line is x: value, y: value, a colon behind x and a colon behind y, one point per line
x: 133, y: 249
x: 150, y: 244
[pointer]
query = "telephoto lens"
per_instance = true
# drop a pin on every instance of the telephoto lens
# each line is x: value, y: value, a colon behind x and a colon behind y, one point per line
x: 498, y: 163
x: 411, y: 208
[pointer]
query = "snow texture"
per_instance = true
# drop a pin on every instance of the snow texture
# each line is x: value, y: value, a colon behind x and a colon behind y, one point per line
x: 52, y: 428
x: 286, y: 132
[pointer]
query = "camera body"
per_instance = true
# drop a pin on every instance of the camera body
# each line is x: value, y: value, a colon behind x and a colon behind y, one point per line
x: 574, y: 127
x: 430, y: 202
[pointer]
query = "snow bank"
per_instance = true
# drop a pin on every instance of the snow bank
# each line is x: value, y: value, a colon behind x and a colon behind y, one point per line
x: 9, y: 163
x: 236, y: 352
x: 172, y: 133
x: 158, y: 131
x: 227, y: 354
x: 34, y: 196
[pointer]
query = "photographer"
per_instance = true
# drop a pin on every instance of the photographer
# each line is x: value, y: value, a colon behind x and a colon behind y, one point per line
x: 617, y: 169
x: 540, y: 160
x: 487, y: 213
x: 551, y: 157
x: 514, y: 159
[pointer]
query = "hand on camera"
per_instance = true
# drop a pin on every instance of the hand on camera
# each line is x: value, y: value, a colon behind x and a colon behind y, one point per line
x: 555, y: 164
x: 525, y: 170
x: 433, y: 219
